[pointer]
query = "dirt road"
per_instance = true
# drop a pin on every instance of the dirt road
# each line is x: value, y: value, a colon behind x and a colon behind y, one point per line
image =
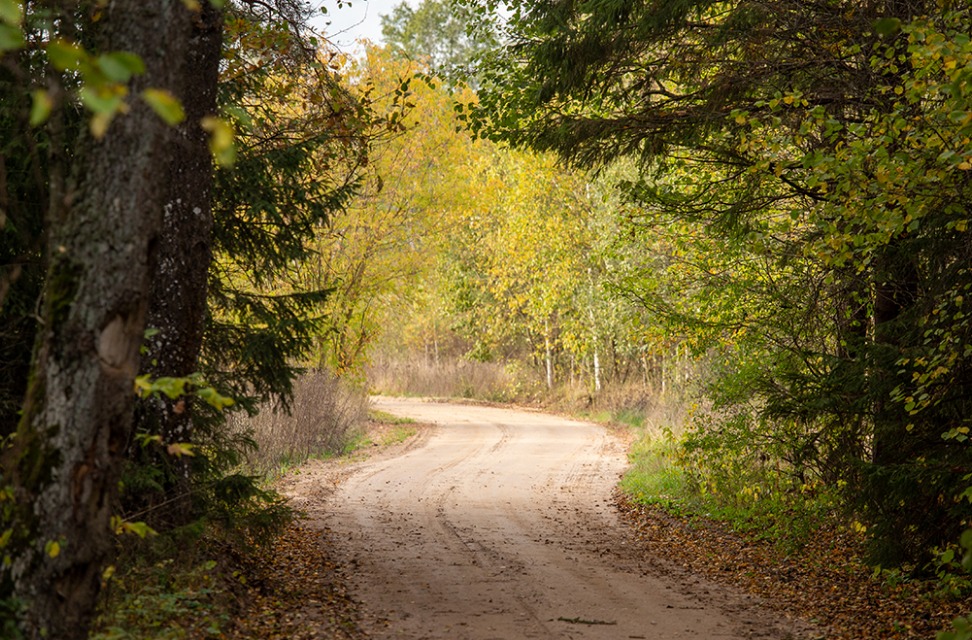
x: 496, y: 523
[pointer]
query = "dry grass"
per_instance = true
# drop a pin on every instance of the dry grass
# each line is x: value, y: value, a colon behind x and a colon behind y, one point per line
x: 326, y: 415
x: 492, y: 381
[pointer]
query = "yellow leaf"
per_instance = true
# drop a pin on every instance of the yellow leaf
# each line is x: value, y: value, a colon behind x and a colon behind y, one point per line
x: 165, y: 105
x: 52, y: 548
x: 220, y: 139
x: 180, y: 449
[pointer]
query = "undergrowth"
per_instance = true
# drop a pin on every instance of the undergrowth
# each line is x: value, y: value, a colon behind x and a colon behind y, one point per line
x: 185, y: 583
x: 188, y: 582
x: 751, y: 504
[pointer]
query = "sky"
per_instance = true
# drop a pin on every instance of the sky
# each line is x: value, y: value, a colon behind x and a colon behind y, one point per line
x: 354, y: 20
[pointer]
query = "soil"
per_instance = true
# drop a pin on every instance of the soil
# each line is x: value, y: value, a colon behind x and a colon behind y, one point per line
x: 500, y: 523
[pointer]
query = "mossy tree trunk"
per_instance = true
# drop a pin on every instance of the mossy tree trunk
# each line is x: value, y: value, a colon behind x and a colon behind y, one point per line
x: 77, y: 417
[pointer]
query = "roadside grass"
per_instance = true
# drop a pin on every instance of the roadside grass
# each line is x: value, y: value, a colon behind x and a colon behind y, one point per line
x: 750, y: 504
x: 793, y: 547
x: 652, y: 477
x: 383, y: 417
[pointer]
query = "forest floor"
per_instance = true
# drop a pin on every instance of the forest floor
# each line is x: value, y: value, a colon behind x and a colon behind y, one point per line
x: 301, y: 587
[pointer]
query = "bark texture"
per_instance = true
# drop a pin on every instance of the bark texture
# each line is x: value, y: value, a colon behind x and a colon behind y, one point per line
x: 77, y: 416
x: 179, y: 287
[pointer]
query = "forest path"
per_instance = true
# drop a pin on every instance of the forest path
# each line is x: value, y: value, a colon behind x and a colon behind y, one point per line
x: 499, y: 523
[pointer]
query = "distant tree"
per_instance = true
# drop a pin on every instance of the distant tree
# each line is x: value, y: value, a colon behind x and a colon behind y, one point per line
x: 447, y: 36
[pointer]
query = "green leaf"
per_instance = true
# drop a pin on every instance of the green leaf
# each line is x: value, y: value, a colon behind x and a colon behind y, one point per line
x: 171, y: 387
x: 11, y: 37
x: 887, y: 26
x: 214, y: 399
x: 104, y: 102
x: 140, y: 529
x: 165, y: 105
x: 11, y: 12
x: 120, y: 66
x: 41, y: 106
x: 64, y: 55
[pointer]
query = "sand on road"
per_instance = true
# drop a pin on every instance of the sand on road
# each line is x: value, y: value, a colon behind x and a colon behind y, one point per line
x: 499, y: 524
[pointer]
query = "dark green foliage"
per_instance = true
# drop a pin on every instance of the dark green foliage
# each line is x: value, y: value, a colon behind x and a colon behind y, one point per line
x: 23, y: 206
x: 293, y: 172
x: 803, y: 176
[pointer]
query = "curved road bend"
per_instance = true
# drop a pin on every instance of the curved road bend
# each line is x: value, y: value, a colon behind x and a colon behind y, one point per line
x: 498, y: 524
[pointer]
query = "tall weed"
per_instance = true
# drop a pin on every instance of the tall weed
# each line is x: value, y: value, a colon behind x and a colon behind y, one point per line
x: 325, y: 414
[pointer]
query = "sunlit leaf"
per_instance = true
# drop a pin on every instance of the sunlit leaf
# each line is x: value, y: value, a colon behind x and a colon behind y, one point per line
x: 41, y: 106
x: 221, y: 140
x: 52, y: 548
x: 165, y: 105
x: 214, y: 399
x: 179, y: 449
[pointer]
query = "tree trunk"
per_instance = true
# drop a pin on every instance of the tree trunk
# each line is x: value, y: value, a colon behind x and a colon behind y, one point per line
x: 548, y: 355
x: 77, y: 416
x: 597, y: 370
x: 179, y: 287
